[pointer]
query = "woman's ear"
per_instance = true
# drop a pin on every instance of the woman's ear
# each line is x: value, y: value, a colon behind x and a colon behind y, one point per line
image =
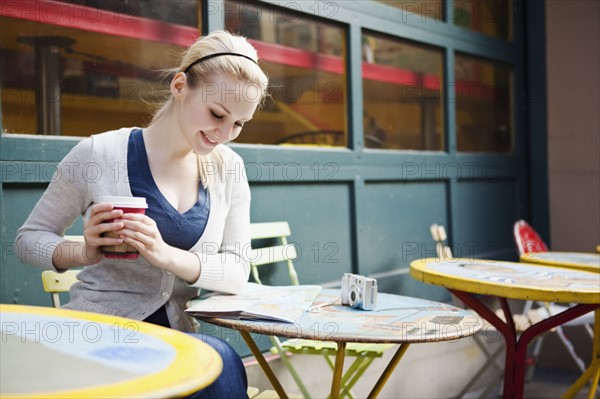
x: 178, y: 85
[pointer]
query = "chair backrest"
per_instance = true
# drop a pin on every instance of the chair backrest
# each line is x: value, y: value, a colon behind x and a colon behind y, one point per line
x: 55, y: 283
x: 438, y: 233
x: 278, y: 249
x: 527, y: 239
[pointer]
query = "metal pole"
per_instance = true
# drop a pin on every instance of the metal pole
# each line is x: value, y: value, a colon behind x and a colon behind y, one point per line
x: 48, y: 81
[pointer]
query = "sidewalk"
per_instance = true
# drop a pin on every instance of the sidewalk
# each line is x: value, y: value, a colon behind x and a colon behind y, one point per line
x: 551, y: 383
x: 437, y: 370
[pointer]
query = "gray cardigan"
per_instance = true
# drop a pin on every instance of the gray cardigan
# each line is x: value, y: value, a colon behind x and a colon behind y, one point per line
x: 97, y: 166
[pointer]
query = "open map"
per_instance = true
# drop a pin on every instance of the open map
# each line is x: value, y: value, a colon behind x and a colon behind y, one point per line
x: 259, y: 302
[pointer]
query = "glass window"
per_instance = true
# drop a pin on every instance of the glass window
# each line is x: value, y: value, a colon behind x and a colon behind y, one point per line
x: 181, y: 12
x: 305, y: 61
x: 82, y: 67
x: 402, y: 89
x: 491, y: 17
x: 424, y: 8
x: 483, y: 91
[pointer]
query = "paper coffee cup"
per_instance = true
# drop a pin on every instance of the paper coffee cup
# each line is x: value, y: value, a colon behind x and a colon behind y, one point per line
x: 127, y: 205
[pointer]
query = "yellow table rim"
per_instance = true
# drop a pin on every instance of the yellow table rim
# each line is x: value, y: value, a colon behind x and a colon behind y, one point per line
x: 420, y: 271
x: 182, y: 377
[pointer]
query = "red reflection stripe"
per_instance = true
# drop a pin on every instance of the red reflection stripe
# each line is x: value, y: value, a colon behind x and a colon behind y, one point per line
x: 100, y: 21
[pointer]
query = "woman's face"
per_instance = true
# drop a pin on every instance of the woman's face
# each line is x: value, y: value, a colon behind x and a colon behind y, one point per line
x: 215, y: 112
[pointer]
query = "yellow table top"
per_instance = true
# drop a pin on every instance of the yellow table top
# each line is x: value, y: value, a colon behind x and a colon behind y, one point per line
x: 509, y: 279
x: 58, y: 353
x: 570, y: 260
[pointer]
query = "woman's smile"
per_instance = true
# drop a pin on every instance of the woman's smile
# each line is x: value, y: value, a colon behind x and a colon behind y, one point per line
x: 208, y: 139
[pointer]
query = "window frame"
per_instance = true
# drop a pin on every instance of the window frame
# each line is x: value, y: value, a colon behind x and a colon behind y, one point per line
x: 380, y: 18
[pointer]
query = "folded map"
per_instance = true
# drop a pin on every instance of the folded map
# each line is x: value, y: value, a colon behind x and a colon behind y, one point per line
x: 258, y: 302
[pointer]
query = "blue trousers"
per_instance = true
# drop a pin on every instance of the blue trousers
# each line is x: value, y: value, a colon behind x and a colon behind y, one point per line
x: 233, y: 382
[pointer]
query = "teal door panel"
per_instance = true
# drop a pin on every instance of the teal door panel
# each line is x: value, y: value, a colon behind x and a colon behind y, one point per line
x: 394, y: 223
x: 404, y: 284
x: 484, y: 213
x: 20, y: 283
x: 320, y: 220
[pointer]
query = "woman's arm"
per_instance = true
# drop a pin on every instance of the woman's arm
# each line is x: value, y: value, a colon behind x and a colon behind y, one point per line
x: 69, y: 254
x: 40, y: 241
x: 225, y: 265
x: 65, y: 199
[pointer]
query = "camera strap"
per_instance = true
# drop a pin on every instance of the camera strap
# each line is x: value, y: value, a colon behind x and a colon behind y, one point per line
x: 317, y: 308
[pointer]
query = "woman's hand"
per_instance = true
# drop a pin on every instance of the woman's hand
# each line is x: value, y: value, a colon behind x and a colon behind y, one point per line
x: 141, y: 232
x: 96, y: 226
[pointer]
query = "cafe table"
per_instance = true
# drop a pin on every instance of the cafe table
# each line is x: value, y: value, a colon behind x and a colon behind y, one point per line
x: 395, y: 320
x: 570, y: 260
x: 58, y: 353
x: 578, y: 261
x: 468, y: 278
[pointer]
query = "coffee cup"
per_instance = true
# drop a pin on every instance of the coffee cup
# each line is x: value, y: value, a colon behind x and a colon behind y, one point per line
x: 127, y: 205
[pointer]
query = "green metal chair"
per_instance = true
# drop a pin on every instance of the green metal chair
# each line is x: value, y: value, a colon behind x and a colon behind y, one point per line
x: 277, y: 250
x: 55, y: 283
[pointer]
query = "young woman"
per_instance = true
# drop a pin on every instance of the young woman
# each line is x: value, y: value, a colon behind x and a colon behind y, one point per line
x: 196, y: 228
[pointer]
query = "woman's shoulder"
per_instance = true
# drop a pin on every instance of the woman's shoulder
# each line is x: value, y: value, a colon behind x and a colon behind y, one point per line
x: 113, y: 135
x: 111, y: 146
x: 229, y: 155
x: 232, y: 170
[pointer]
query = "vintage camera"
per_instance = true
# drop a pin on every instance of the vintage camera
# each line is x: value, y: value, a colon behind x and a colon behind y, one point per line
x: 359, y: 291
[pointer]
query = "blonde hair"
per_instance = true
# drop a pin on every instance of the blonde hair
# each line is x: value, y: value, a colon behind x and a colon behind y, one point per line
x: 239, y: 69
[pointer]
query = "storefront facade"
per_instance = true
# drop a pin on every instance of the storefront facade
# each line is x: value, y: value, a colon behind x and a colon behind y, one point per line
x: 385, y: 117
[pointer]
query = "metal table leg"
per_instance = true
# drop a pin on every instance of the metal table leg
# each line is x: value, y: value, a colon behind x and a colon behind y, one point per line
x: 387, y: 373
x: 336, y: 383
x: 593, y: 371
x: 263, y: 364
x: 516, y: 350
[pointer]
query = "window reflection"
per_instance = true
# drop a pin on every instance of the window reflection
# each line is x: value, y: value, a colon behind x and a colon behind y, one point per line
x: 483, y: 91
x: 181, y: 12
x: 96, y: 80
x: 402, y: 86
x: 304, y: 59
x: 423, y: 8
x: 491, y: 17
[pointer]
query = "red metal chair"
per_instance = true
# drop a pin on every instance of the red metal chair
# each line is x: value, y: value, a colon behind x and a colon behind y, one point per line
x: 528, y: 240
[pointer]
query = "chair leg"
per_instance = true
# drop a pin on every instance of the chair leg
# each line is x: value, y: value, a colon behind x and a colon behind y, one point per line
x: 594, y: 384
x: 570, y: 348
x: 490, y: 355
x: 590, y: 330
x: 288, y: 365
x: 345, y: 390
x: 353, y: 374
x: 364, y: 364
x: 592, y: 373
x: 490, y: 361
x: 532, y: 360
x: 490, y: 388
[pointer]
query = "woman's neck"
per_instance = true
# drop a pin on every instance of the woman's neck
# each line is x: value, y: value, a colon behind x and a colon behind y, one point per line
x: 164, y: 137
